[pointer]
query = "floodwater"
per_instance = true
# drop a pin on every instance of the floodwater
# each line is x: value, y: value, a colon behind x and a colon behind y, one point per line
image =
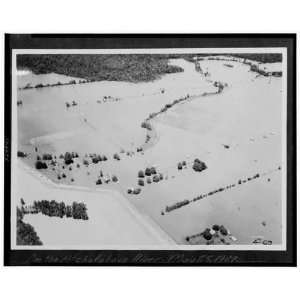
x: 246, y: 116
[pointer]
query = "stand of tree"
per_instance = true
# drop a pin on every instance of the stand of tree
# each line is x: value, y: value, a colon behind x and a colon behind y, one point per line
x: 26, y: 235
x: 201, y: 167
x: 260, y: 57
x: 59, y: 209
x: 119, y: 67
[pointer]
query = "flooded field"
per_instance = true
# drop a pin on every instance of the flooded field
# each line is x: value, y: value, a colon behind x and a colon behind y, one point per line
x: 236, y: 131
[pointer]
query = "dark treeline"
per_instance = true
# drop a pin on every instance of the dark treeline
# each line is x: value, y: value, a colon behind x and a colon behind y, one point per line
x: 256, y: 69
x: 253, y: 66
x: 259, y: 57
x: 146, y: 123
x: 59, y: 209
x: 202, y: 166
x: 26, y: 235
x: 119, y: 67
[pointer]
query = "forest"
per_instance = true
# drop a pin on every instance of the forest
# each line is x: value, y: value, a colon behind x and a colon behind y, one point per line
x: 114, y: 67
x: 26, y: 235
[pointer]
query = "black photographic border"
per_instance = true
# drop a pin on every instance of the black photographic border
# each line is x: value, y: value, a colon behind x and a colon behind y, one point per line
x: 154, y: 257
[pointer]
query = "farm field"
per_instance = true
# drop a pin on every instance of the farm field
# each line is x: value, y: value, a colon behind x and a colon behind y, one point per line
x: 235, y: 130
